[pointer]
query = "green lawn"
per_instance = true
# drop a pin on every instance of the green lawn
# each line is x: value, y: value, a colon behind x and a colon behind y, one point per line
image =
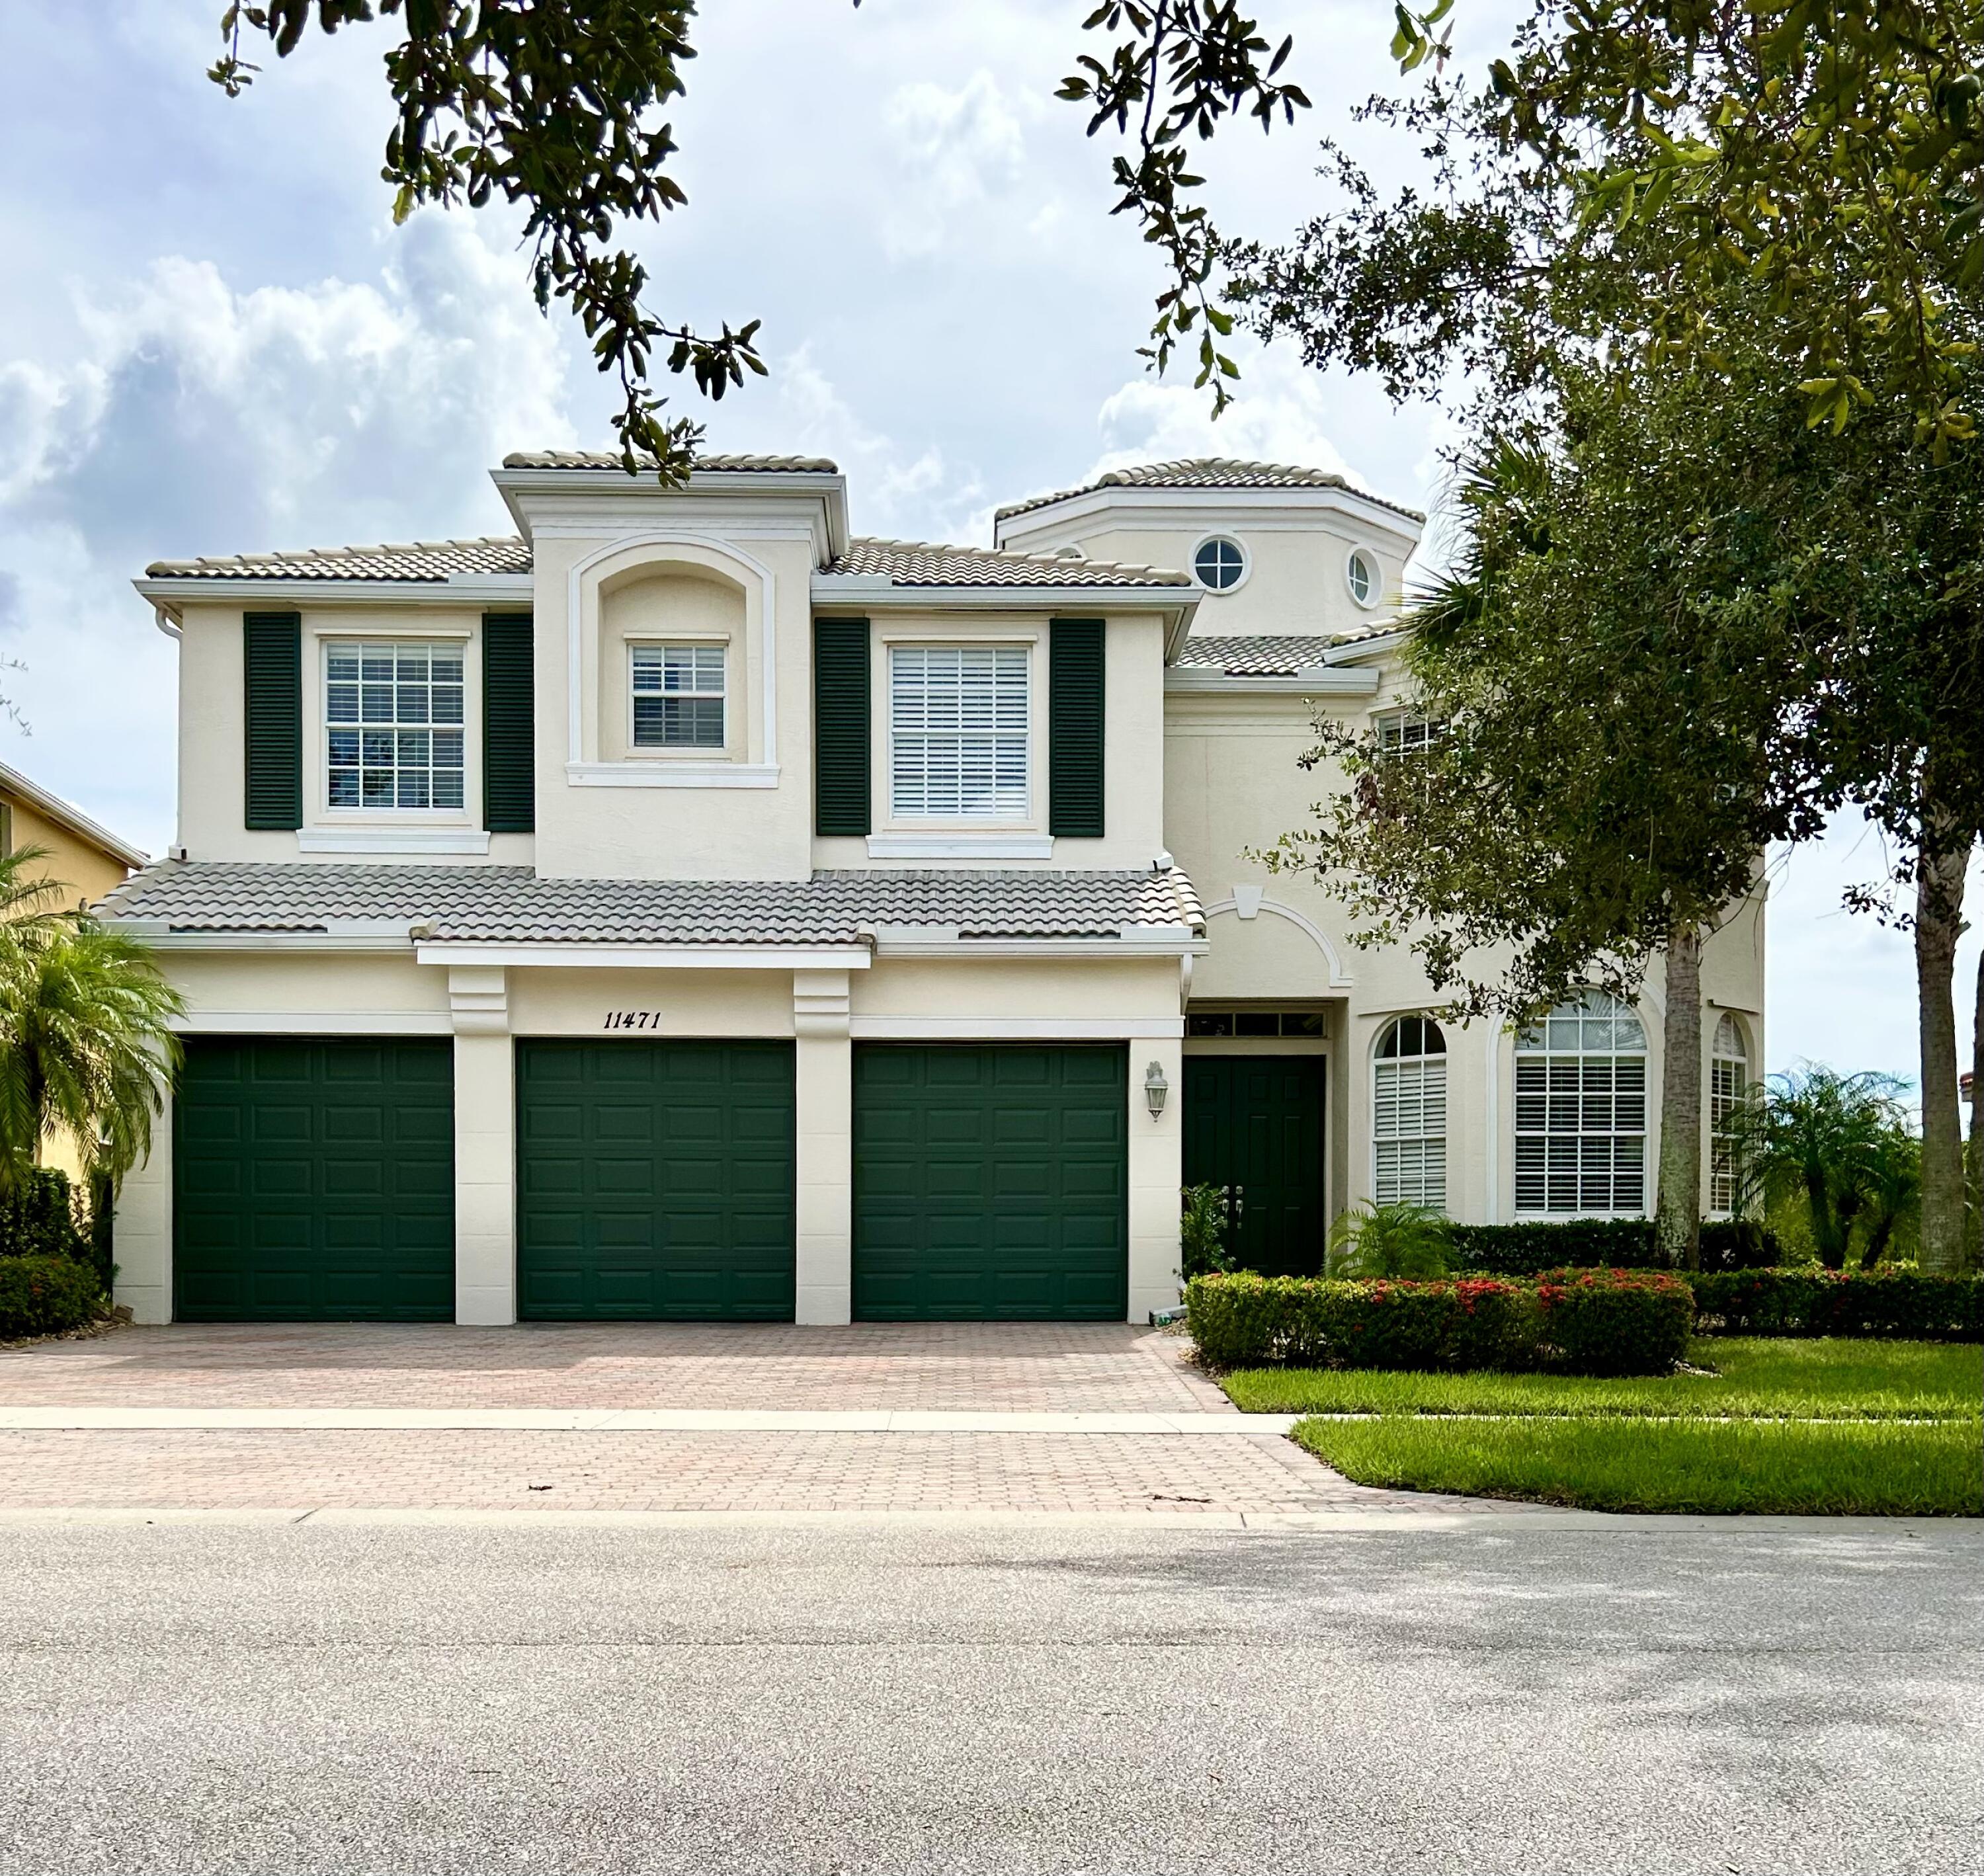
x: 1757, y: 1378
x: 1836, y: 1469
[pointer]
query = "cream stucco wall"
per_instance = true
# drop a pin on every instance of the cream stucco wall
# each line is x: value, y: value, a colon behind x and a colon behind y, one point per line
x: 1234, y: 784
x: 1297, y: 552
x: 602, y: 814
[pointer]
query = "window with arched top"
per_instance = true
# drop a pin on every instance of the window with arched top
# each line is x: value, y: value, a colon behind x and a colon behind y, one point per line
x: 1408, y: 1114
x: 1581, y: 1110
x: 1728, y: 1088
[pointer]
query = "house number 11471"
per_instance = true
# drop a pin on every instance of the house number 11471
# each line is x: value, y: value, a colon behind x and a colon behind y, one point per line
x: 633, y: 1018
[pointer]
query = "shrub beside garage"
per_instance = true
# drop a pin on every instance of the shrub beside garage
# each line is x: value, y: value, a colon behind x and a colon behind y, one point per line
x: 49, y: 1280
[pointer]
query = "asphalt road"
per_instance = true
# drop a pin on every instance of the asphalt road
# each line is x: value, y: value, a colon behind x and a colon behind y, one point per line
x: 835, y: 1697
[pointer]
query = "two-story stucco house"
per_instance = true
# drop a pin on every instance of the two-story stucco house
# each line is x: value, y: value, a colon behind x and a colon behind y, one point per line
x: 687, y: 909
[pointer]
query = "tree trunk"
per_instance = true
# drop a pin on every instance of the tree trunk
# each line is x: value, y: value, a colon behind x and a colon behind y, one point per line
x: 1973, y: 1236
x: 1939, y: 869
x: 1677, y: 1210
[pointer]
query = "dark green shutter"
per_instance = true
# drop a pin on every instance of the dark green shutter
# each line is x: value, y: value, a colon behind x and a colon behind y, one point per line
x: 272, y: 645
x: 509, y: 761
x: 840, y: 746
x: 1076, y: 665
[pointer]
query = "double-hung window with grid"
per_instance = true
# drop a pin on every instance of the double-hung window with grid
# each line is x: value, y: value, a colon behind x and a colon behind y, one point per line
x: 393, y: 725
x: 1581, y: 1110
x: 1408, y: 1114
x: 958, y: 731
x: 678, y: 696
x: 1728, y: 1088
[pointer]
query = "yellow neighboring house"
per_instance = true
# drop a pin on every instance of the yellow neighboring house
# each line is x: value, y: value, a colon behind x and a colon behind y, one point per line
x: 88, y: 860
x: 88, y: 857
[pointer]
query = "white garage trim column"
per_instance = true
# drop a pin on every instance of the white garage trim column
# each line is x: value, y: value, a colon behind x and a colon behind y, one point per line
x: 824, y: 1069
x: 485, y: 1146
x: 1157, y: 1161
x: 141, y: 1229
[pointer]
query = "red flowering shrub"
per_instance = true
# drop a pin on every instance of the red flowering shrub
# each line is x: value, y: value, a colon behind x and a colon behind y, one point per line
x: 1242, y: 1320
x: 1613, y: 1321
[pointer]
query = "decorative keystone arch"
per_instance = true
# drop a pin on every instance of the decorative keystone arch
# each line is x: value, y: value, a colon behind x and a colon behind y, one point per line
x: 1249, y: 902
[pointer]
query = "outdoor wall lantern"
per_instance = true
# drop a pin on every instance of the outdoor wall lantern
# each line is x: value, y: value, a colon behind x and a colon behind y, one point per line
x: 1155, y: 1088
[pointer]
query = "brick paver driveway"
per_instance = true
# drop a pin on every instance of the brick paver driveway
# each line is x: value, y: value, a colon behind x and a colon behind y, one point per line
x: 207, y: 1418
x: 1009, y: 1367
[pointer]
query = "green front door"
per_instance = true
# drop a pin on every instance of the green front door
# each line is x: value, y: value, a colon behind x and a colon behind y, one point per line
x: 1253, y: 1124
x: 991, y: 1183
x: 314, y: 1180
x: 655, y: 1179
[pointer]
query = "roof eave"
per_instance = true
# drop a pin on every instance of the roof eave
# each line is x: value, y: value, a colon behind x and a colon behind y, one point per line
x: 862, y: 592
x: 170, y: 593
x: 829, y: 489
x: 1372, y: 511
x: 66, y: 814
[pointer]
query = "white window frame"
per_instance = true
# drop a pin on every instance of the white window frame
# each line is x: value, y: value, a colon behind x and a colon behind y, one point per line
x: 695, y: 649
x: 1232, y: 541
x: 1356, y: 551
x: 448, y: 645
x: 1405, y: 732
x: 1592, y: 1082
x: 1409, y: 1116
x: 1728, y: 1088
x: 1009, y: 656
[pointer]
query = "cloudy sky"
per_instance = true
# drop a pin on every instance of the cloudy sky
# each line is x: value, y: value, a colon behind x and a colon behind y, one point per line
x: 212, y: 339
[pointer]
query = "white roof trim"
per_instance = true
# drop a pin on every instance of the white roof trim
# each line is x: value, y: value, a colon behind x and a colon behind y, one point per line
x: 1317, y: 681
x: 646, y: 956
x: 1162, y: 501
x: 862, y: 592
x: 172, y: 593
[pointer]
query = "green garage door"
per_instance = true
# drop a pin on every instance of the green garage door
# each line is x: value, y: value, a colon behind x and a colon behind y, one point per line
x: 654, y: 1180
x: 314, y: 1180
x: 991, y: 1183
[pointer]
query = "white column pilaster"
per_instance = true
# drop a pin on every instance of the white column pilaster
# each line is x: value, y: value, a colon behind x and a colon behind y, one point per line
x: 485, y: 1146
x: 143, y: 1229
x: 1156, y: 1170
x: 825, y: 1069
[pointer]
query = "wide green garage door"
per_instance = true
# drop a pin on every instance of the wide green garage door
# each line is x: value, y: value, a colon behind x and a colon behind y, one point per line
x: 655, y: 1179
x: 314, y: 1180
x: 991, y: 1183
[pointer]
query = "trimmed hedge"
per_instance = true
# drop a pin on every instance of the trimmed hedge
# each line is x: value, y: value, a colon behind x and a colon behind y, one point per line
x: 1531, y: 1246
x: 43, y: 1295
x: 1616, y: 1322
x: 1899, y: 1303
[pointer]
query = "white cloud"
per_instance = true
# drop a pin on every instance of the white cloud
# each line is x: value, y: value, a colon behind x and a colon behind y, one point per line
x: 955, y: 150
x: 188, y: 418
x: 894, y: 488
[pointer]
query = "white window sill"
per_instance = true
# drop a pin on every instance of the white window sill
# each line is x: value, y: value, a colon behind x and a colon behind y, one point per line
x: 1005, y: 844
x: 651, y: 773
x: 392, y: 840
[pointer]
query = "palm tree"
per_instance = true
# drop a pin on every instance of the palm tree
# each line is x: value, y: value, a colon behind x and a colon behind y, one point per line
x: 1394, y: 1239
x: 1832, y: 1140
x: 86, y: 1046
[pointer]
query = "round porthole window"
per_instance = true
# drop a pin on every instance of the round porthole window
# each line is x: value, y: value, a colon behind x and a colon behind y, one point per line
x: 1361, y: 571
x: 1219, y: 564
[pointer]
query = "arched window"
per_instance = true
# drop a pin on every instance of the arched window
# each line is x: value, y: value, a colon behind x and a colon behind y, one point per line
x: 1581, y: 1110
x: 1408, y: 1114
x: 1728, y: 1087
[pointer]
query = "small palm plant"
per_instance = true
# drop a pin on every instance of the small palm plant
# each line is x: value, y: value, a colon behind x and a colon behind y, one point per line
x: 1202, y: 1221
x: 1394, y: 1239
x: 86, y: 1045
